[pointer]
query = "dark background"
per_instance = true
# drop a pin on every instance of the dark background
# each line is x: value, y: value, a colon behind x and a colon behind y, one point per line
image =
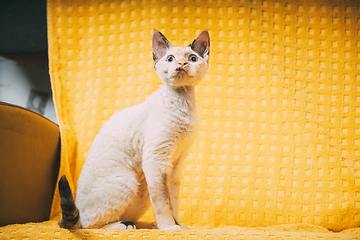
x: 23, y: 29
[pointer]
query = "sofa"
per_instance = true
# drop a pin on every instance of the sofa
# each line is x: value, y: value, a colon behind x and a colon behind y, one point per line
x: 278, y: 150
x: 29, y: 166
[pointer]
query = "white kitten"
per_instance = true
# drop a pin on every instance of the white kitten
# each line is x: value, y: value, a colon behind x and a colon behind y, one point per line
x: 135, y: 158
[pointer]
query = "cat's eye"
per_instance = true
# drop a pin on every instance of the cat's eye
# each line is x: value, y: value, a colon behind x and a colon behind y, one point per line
x: 170, y: 58
x: 193, y: 58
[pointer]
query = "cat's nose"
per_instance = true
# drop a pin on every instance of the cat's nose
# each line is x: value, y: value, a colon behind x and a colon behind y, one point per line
x: 182, y: 63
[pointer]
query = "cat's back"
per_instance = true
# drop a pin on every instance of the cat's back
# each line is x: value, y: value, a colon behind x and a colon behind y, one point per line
x: 124, y: 128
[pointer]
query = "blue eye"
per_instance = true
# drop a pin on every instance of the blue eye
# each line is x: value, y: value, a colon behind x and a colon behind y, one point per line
x: 170, y: 58
x: 193, y: 58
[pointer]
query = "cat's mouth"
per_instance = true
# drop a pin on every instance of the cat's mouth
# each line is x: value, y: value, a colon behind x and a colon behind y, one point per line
x: 180, y: 72
x: 179, y: 69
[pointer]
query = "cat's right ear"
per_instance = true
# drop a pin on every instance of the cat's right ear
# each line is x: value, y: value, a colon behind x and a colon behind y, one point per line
x: 160, y: 45
x: 201, y: 45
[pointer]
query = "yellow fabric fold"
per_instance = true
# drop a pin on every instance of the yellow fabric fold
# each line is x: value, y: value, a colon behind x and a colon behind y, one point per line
x: 279, y: 139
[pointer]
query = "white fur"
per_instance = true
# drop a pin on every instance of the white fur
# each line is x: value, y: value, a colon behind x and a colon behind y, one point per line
x: 136, y: 156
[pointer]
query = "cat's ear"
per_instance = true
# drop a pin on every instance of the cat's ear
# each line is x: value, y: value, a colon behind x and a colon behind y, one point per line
x: 201, y: 45
x: 160, y: 45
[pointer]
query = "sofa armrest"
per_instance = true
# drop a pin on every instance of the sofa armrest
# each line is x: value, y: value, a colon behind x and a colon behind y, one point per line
x: 29, y: 163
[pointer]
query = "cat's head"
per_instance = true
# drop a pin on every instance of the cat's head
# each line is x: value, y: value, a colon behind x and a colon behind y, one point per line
x: 181, y: 66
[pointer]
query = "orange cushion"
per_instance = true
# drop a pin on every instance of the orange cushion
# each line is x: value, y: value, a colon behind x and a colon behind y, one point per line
x: 29, y: 162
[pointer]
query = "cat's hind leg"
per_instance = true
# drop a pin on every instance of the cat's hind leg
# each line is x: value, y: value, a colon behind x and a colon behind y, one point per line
x: 104, y: 198
x: 130, y: 225
x: 119, y: 225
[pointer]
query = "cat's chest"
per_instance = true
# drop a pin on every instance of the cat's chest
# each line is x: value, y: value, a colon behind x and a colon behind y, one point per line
x: 171, y: 115
x: 183, y: 117
x: 182, y: 109
x: 184, y: 133
x: 187, y: 122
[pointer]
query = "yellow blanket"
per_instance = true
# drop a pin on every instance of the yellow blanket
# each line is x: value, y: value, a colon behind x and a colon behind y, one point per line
x: 279, y: 140
x: 50, y: 230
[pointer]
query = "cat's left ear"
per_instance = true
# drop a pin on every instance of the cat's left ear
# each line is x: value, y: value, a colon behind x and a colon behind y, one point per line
x: 160, y: 45
x: 201, y: 45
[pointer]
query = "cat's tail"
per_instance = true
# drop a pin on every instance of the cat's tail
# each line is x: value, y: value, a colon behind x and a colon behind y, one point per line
x: 70, y: 216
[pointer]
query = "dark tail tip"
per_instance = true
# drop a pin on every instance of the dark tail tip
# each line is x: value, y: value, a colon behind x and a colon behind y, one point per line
x: 70, y: 218
x: 64, y: 188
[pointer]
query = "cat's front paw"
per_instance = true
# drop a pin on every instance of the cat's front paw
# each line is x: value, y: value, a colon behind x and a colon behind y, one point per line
x: 173, y: 227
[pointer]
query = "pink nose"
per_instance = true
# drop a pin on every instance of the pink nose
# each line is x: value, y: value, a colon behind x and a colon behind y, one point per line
x: 182, y: 63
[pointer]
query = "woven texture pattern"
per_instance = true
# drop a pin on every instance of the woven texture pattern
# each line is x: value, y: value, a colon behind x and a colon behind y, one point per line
x: 50, y: 230
x: 279, y: 139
